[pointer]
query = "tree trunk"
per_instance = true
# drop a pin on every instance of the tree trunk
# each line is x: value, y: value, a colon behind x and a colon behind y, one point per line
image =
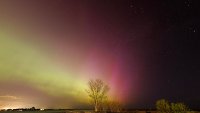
x: 96, y: 108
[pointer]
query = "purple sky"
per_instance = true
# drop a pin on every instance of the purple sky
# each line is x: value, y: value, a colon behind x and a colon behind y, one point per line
x: 145, y: 50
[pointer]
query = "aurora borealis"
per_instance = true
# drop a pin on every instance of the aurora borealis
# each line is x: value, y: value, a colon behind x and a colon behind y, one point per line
x: 50, y: 49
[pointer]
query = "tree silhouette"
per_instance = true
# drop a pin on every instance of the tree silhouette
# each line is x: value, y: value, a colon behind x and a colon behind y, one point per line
x: 179, y: 108
x: 164, y: 106
x: 114, y: 106
x: 97, y: 91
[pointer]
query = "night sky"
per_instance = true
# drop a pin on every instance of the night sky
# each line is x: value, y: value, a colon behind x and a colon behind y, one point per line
x: 144, y: 50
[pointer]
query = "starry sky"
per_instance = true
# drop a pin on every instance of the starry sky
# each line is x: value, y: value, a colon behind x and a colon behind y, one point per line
x: 144, y: 50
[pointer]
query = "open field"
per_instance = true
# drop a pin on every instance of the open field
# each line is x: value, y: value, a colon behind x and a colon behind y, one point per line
x: 76, y: 111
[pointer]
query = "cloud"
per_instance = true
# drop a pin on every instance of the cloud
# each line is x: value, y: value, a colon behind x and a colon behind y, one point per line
x: 9, y: 97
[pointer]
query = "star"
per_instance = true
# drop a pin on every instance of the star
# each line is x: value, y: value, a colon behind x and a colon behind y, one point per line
x: 131, y: 5
x: 187, y: 3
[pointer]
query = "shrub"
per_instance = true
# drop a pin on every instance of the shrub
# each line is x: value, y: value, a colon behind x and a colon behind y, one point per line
x: 178, y: 108
x: 164, y: 106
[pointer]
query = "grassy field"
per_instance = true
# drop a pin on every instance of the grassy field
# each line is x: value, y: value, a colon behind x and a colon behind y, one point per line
x: 75, y: 111
x: 49, y: 111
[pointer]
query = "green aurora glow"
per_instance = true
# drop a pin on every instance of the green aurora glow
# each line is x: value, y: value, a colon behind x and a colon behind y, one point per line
x: 20, y: 61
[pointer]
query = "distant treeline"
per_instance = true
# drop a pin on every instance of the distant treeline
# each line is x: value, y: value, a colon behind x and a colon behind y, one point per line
x: 23, y: 109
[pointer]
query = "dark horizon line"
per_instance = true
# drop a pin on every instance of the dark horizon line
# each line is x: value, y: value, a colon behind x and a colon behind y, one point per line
x: 39, y: 109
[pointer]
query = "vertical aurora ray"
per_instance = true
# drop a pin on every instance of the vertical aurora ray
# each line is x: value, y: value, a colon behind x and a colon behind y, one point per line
x: 24, y: 63
x: 49, y: 49
x: 109, y: 68
x: 48, y: 56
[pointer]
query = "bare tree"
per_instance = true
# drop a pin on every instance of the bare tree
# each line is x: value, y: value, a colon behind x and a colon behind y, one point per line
x: 114, y: 106
x: 97, y: 91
